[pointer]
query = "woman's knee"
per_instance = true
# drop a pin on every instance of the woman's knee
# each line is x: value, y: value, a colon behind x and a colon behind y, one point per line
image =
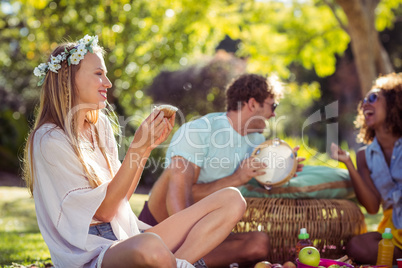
x: 363, y: 248
x: 234, y: 200
x: 152, y: 252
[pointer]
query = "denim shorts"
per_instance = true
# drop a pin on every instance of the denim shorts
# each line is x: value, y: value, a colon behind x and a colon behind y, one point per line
x: 104, y: 230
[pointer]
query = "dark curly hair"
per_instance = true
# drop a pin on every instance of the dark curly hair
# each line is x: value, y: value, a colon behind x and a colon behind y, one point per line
x: 391, y: 88
x: 249, y: 86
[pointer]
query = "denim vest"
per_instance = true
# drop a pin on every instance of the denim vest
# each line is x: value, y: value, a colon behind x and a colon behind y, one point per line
x: 387, y: 179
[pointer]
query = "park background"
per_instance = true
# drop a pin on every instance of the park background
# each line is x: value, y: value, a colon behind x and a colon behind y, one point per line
x: 184, y: 53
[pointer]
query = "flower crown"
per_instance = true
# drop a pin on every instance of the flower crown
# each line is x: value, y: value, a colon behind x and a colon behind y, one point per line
x: 74, y: 56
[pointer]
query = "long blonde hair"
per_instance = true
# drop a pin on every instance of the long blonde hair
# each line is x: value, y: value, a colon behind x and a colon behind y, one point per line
x: 58, y: 98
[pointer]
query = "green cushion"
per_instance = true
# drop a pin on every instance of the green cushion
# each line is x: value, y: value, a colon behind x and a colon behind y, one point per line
x: 317, y: 182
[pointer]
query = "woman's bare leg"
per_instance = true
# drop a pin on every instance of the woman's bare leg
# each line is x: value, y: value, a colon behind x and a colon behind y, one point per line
x: 143, y: 250
x: 190, y: 233
x: 363, y: 249
x: 193, y: 232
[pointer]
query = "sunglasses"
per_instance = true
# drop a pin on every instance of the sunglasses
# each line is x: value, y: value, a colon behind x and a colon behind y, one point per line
x: 273, y: 106
x: 373, y: 97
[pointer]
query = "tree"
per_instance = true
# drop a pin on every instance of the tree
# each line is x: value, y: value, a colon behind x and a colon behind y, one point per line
x: 370, y: 56
x: 312, y: 33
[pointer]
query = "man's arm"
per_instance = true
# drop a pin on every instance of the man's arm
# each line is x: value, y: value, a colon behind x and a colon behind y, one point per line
x: 182, y: 176
x: 248, y: 169
x: 201, y: 190
x: 183, y: 190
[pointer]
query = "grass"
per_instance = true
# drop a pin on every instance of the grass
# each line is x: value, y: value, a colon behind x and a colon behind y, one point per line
x: 21, y: 241
x: 20, y: 238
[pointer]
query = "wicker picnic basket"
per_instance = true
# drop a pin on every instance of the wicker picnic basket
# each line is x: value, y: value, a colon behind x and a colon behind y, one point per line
x: 331, y: 223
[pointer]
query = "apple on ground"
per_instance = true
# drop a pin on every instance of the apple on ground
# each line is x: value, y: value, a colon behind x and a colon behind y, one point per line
x: 289, y: 264
x: 309, y: 256
x: 263, y: 264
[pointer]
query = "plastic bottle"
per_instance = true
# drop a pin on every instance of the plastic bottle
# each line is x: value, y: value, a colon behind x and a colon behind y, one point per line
x: 385, y: 249
x: 304, y: 241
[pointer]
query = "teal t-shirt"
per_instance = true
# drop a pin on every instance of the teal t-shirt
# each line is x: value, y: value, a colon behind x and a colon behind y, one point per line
x: 211, y: 143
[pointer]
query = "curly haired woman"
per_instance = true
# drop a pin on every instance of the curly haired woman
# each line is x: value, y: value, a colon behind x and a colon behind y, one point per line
x: 378, y: 178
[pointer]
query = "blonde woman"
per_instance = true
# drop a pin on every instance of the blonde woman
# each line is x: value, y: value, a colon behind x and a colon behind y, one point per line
x: 80, y: 188
x: 378, y: 177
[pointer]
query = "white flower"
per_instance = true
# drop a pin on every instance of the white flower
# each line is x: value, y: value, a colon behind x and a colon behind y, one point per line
x: 59, y: 58
x: 95, y: 41
x: 74, y: 59
x: 54, y: 60
x: 42, y: 66
x: 79, y: 55
x: 62, y: 56
x: 86, y: 39
x: 54, y: 67
x: 37, y: 72
x: 41, y: 69
x: 81, y: 49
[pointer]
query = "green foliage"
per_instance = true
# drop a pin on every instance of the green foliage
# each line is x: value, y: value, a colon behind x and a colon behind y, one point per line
x: 386, y: 12
x: 13, y: 131
x: 144, y: 37
x: 294, y: 108
x: 297, y: 33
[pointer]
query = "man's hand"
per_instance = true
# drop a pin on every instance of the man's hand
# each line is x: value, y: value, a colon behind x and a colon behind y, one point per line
x: 248, y: 169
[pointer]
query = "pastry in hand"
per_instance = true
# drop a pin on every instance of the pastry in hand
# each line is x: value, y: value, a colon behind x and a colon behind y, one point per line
x: 168, y: 110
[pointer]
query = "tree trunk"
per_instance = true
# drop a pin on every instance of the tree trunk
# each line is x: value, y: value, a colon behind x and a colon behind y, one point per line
x: 370, y: 57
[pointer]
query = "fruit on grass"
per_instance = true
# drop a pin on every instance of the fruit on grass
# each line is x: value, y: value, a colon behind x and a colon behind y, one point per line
x: 309, y: 256
x: 263, y: 264
x: 289, y: 264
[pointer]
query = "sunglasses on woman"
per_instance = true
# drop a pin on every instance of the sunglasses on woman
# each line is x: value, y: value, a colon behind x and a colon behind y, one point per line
x: 371, y: 98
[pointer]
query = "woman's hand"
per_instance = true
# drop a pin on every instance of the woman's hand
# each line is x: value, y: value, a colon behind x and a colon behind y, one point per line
x: 165, y: 131
x: 338, y: 154
x: 153, y: 131
x: 299, y: 161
